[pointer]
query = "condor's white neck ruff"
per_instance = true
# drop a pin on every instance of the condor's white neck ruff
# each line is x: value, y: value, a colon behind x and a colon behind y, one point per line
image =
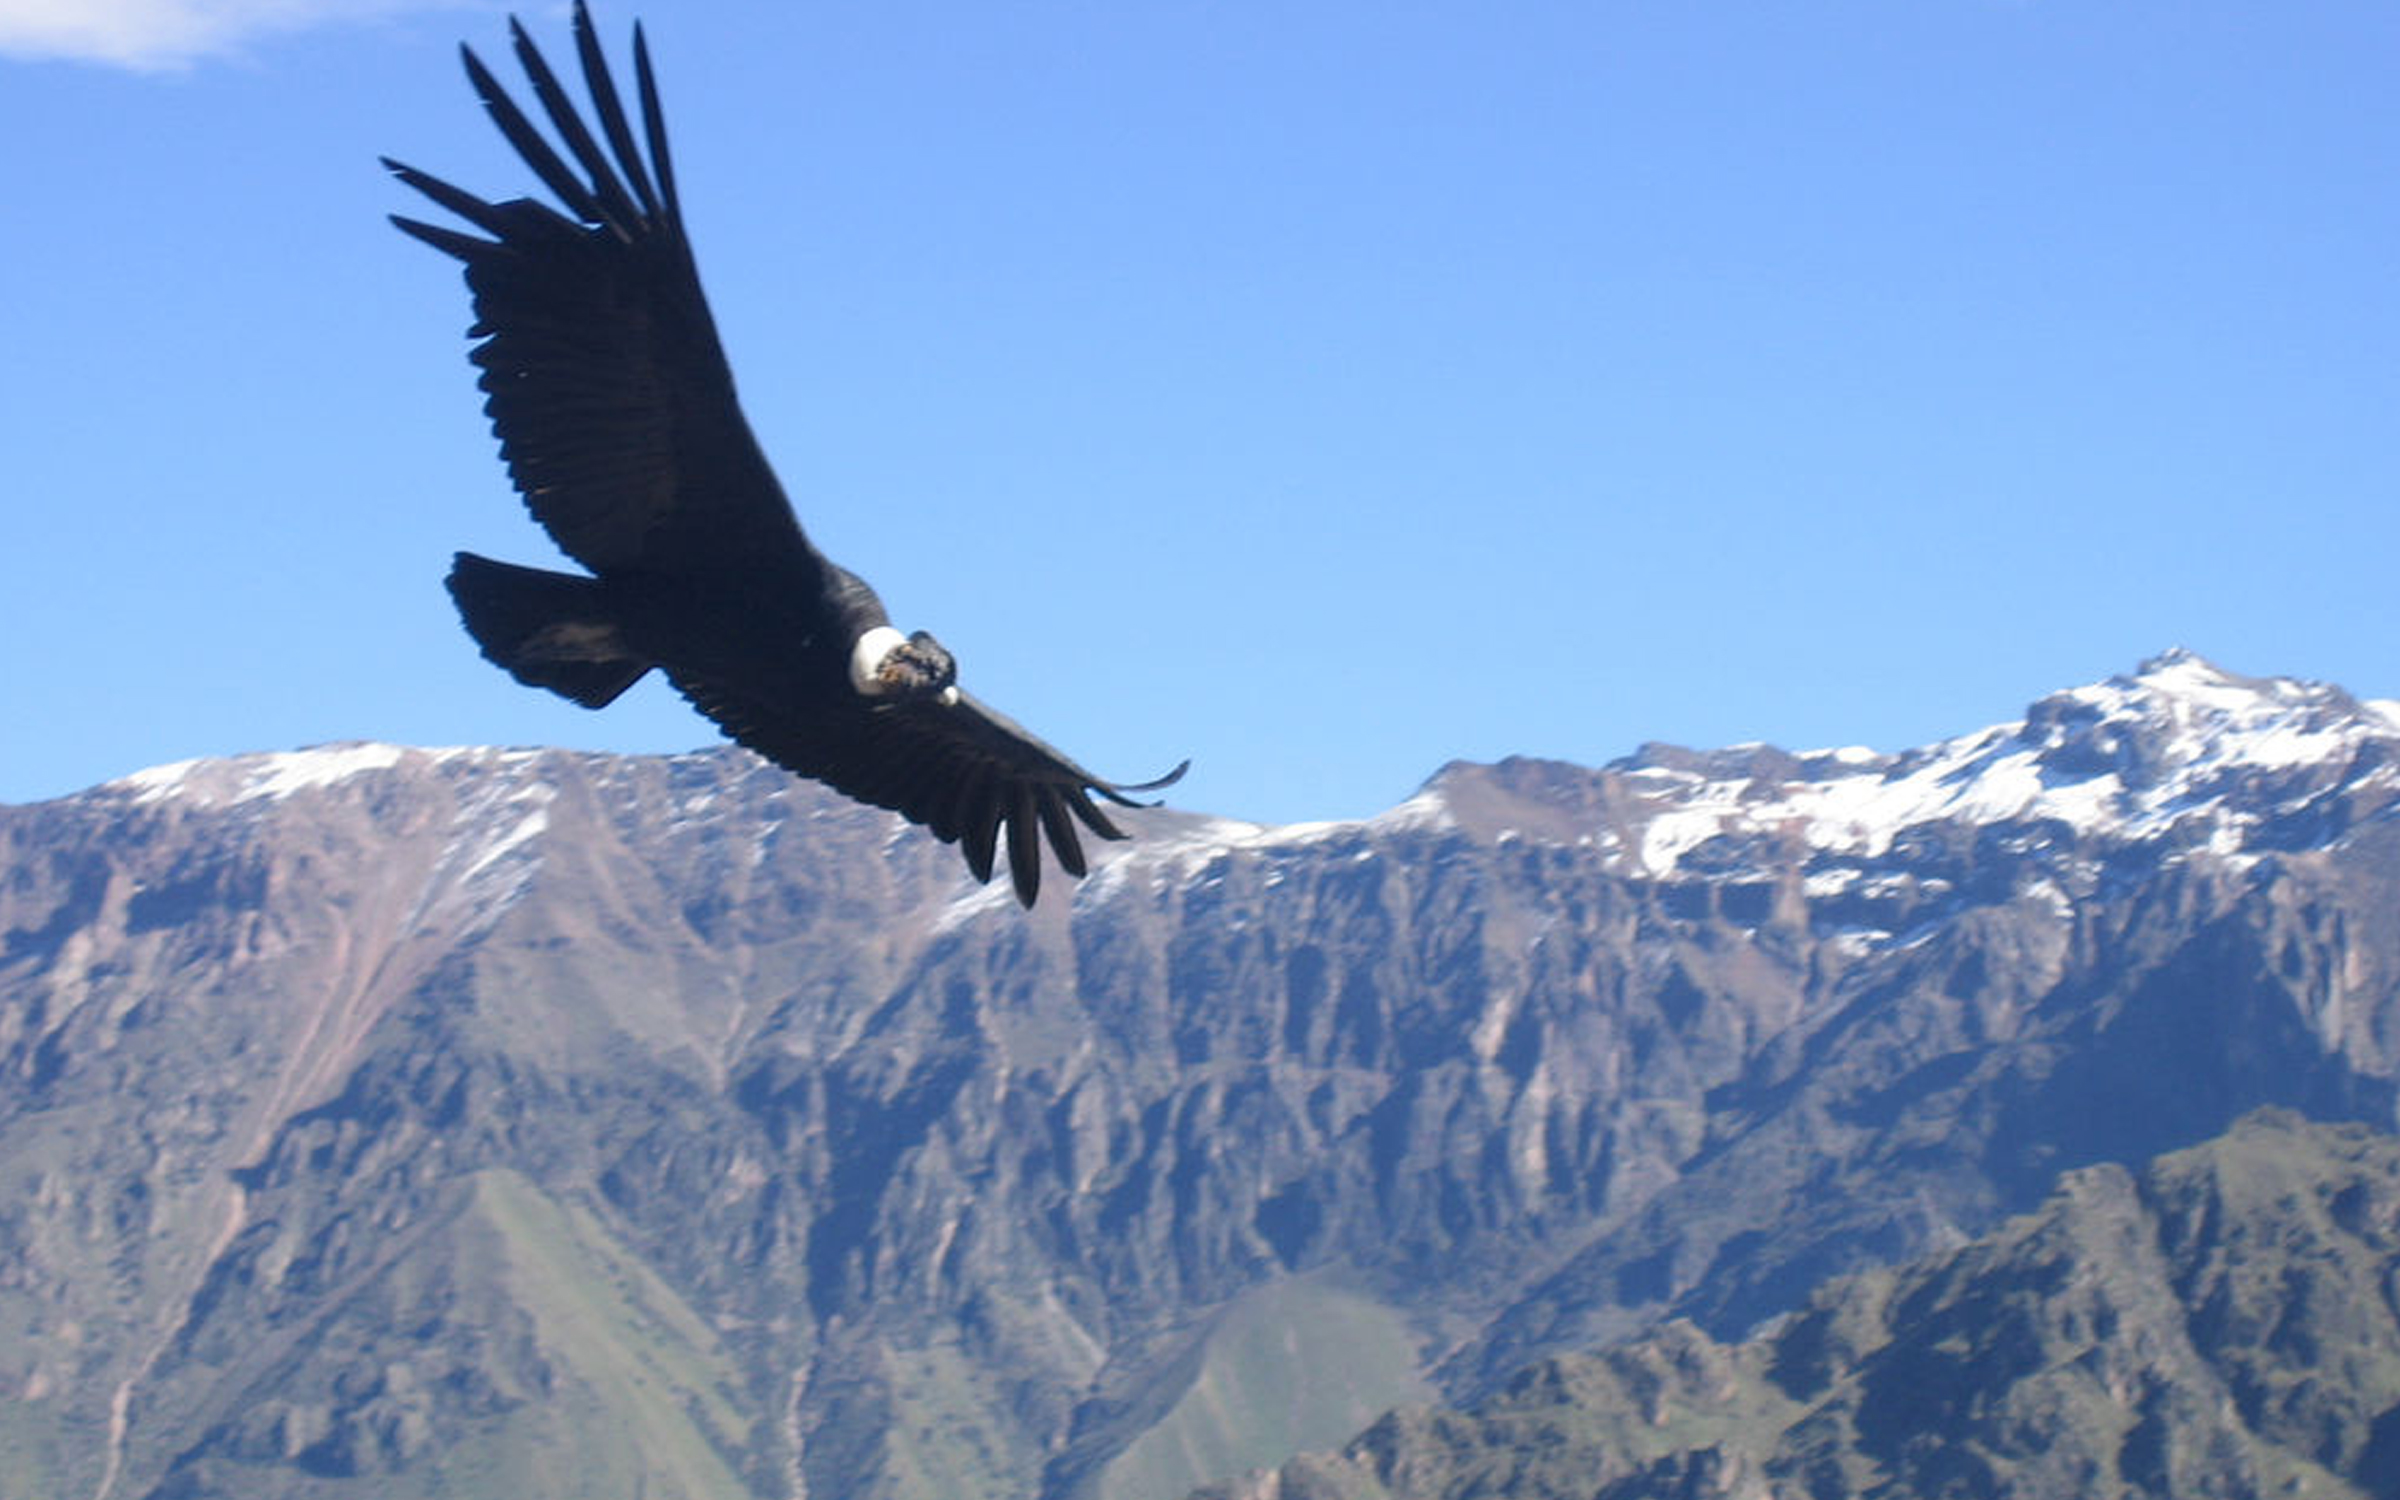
x: 866, y: 664
x: 866, y: 660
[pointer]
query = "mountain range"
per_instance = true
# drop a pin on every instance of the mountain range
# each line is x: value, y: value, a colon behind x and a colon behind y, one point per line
x: 415, y: 1122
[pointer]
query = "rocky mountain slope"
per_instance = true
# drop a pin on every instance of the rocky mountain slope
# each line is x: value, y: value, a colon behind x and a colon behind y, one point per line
x: 2221, y: 1325
x: 409, y: 1122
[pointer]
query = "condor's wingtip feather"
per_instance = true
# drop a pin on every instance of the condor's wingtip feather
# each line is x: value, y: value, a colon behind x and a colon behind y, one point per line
x: 1116, y: 791
x: 1061, y: 830
x: 1093, y: 818
x: 1024, y: 845
x: 456, y: 199
x: 654, y: 123
x: 602, y: 86
x: 449, y: 241
x: 979, y: 842
x: 616, y: 204
x: 530, y: 147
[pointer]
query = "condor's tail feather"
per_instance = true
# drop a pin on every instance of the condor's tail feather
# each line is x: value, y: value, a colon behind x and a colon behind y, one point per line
x: 547, y: 630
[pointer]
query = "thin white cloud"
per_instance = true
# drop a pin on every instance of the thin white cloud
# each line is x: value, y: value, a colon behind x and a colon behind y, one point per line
x: 166, y: 33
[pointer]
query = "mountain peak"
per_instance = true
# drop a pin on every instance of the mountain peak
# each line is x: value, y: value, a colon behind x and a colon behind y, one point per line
x: 2177, y: 659
x: 2180, y: 713
x: 2180, y: 748
x: 2181, y: 675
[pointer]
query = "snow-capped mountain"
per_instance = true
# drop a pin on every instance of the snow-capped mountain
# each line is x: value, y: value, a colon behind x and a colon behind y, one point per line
x: 2180, y: 756
x: 2180, y: 751
x: 415, y: 1119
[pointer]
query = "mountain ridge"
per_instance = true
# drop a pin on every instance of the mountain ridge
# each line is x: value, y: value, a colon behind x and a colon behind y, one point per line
x: 2152, y: 746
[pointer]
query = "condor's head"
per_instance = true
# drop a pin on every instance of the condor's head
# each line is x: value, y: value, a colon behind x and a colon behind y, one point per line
x: 902, y: 668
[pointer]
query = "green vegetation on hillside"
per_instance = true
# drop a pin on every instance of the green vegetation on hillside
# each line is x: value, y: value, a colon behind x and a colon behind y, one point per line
x: 1291, y: 1366
x: 2222, y: 1325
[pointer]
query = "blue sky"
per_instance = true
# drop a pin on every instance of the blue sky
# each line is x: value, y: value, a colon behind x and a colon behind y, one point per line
x: 1322, y: 391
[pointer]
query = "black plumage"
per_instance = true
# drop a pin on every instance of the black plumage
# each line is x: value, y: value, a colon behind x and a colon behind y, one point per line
x: 618, y: 423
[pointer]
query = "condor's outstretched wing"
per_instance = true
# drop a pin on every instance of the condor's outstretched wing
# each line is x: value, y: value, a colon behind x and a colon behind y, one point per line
x: 607, y: 386
x: 963, y: 769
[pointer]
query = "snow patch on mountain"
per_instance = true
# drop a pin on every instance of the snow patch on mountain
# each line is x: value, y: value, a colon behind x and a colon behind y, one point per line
x: 528, y: 827
x: 244, y: 778
x: 274, y: 775
x: 1192, y: 852
x: 2179, y: 746
x: 492, y: 855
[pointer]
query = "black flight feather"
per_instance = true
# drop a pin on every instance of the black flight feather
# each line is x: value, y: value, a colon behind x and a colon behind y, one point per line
x: 610, y: 204
x: 654, y: 121
x: 611, y: 110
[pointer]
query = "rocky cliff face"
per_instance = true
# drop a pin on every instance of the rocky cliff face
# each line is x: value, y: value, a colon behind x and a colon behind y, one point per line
x: 2220, y: 1325
x: 410, y: 1122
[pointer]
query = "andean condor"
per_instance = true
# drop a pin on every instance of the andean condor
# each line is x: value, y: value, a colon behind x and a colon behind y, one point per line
x: 617, y: 420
